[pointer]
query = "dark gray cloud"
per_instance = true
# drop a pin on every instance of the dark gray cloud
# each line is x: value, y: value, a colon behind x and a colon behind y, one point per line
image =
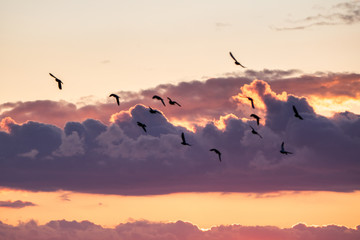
x: 16, y: 204
x: 145, y: 230
x: 345, y: 13
x: 120, y: 158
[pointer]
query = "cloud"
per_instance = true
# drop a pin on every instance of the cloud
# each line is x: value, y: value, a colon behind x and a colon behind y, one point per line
x: 346, y: 13
x: 119, y: 158
x: 31, y: 154
x: 216, y: 92
x: 16, y: 204
x: 145, y: 230
x: 222, y: 24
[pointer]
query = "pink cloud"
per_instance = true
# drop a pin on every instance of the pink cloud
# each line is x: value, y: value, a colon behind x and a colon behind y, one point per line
x: 145, y: 230
x: 16, y: 204
x: 201, y: 101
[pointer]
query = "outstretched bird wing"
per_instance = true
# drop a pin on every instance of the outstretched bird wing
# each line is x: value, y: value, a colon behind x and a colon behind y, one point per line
x: 282, y: 147
x: 217, y: 152
x: 177, y: 104
x: 59, y: 83
x: 241, y: 65
x: 52, y: 75
x: 295, y: 110
x: 233, y: 57
x: 183, y: 137
x: 252, y: 102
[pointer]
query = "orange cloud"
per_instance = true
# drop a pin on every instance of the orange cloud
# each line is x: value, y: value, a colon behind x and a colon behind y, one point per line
x: 257, y: 89
x: 6, y: 123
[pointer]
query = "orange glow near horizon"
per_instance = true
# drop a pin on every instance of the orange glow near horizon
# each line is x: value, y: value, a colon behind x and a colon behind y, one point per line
x: 282, y: 209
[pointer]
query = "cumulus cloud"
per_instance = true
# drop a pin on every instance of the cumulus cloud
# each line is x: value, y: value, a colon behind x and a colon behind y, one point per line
x: 345, y: 13
x: 145, y: 230
x: 16, y: 204
x: 119, y: 158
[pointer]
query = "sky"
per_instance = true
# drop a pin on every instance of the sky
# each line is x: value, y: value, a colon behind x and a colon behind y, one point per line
x: 73, y: 163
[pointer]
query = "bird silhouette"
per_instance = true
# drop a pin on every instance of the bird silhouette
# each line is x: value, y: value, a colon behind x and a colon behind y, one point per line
x: 256, y: 117
x: 255, y: 132
x: 217, y: 152
x: 252, y: 102
x: 296, y: 113
x: 153, y: 111
x: 159, y: 98
x: 117, y: 98
x: 183, y: 140
x: 58, y: 81
x: 142, y: 125
x: 171, y: 102
x: 283, y: 150
x: 236, y: 61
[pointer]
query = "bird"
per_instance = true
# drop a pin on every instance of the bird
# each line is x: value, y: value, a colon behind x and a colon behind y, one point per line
x: 256, y: 117
x: 283, y: 150
x: 183, y: 140
x: 117, y: 98
x: 236, y: 62
x: 142, y: 125
x: 296, y: 113
x: 171, y: 102
x: 255, y: 132
x: 58, y: 81
x: 159, y: 98
x: 252, y: 102
x: 217, y: 152
x: 153, y: 111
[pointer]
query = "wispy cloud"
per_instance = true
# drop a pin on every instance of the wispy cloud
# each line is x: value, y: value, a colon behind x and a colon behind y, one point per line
x: 345, y: 13
x: 222, y: 24
x: 16, y: 204
x: 145, y: 230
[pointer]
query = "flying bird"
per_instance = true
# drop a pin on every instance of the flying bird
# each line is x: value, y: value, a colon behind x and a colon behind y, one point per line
x: 142, y: 125
x: 217, y: 152
x: 117, y: 98
x: 183, y: 140
x: 58, y: 81
x: 152, y: 111
x: 256, y: 117
x: 252, y: 102
x: 236, y: 62
x: 171, y: 102
x: 255, y: 132
x: 159, y: 98
x: 296, y: 113
x: 283, y: 150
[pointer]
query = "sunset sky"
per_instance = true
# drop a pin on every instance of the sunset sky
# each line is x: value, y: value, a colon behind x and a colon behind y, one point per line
x: 73, y: 163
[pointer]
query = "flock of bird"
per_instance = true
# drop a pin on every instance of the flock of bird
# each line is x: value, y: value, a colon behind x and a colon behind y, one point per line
x: 171, y: 102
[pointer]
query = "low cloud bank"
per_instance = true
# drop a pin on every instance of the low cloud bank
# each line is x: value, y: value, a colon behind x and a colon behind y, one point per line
x: 145, y: 230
